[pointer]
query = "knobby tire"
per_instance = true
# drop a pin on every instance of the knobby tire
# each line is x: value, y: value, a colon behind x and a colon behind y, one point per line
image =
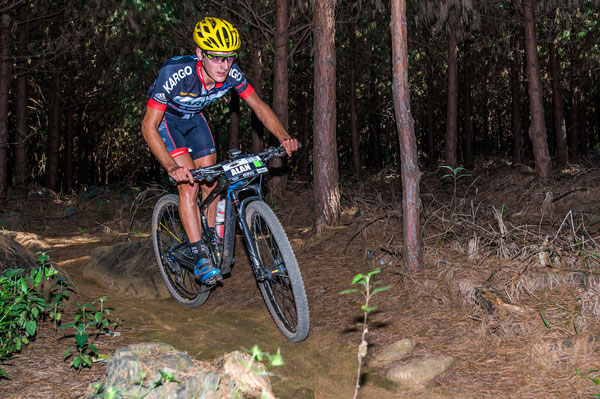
x: 170, y: 241
x: 284, y: 292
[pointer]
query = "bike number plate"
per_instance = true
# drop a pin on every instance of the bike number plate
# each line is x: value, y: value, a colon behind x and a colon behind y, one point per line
x: 244, y: 168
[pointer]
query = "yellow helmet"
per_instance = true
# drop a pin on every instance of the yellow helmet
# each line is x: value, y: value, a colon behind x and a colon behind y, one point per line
x: 216, y: 34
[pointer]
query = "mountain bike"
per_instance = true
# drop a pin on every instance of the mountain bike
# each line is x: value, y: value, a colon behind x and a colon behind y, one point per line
x: 271, y: 256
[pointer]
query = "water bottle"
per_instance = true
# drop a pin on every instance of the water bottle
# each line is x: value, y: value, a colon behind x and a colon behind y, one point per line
x: 219, y: 227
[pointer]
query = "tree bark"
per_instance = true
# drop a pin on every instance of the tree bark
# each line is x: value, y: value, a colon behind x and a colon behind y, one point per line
x: 278, y: 181
x: 68, y: 150
x: 257, y: 130
x: 234, y: 121
x: 515, y: 91
x: 4, y: 92
x: 83, y: 151
x: 468, y: 156
x: 325, y: 163
x: 21, y: 168
x: 303, y: 121
x: 431, y: 150
x: 411, y: 174
x: 53, y: 143
x: 560, y: 128
x: 538, y: 126
x: 374, y: 160
x: 575, y: 123
x: 452, y: 110
x: 356, y: 164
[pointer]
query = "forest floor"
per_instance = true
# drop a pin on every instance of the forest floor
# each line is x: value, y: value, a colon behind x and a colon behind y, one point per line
x: 508, y: 288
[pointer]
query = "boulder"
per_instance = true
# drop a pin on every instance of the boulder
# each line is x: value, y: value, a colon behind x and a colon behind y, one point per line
x: 418, y: 372
x: 392, y: 353
x: 128, y: 268
x: 14, y: 256
x: 159, y: 371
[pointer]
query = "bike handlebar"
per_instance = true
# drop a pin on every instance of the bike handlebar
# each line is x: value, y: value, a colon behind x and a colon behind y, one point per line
x: 209, y: 173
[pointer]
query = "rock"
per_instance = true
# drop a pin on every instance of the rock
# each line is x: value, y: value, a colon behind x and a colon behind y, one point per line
x: 392, y: 353
x: 419, y: 372
x: 10, y: 220
x: 251, y: 380
x: 129, y: 268
x: 139, y: 370
x: 14, y: 256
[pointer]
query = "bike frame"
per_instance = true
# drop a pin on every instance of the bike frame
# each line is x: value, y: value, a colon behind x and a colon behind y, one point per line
x: 235, y: 208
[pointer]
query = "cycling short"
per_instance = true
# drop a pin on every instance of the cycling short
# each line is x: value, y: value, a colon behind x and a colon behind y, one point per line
x: 183, y: 136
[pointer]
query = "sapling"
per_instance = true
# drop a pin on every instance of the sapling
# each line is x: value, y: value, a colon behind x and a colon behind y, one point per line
x: 368, y: 290
x: 88, y: 316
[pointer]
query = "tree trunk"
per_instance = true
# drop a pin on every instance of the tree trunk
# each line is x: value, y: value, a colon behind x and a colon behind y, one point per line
x: 575, y: 122
x: 53, y: 143
x: 356, y: 164
x: 68, y: 150
x: 234, y: 121
x: 487, y: 119
x: 560, y: 128
x: 452, y: 111
x: 411, y: 249
x: 325, y: 163
x: 538, y: 126
x: 4, y: 91
x: 256, y: 132
x: 83, y: 151
x: 303, y: 121
x: 515, y: 91
x: 278, y: 181
x: 21, y: 169
x: 374, y: 159
x: 583, y: 129
x: 468, y: 122
x: 431, y: 150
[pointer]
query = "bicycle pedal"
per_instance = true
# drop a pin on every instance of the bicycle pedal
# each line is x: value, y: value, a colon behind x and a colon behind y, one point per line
x: 213, y: 280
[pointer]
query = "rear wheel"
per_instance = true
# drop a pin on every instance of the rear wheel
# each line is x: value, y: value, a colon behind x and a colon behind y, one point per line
x: 173, y: 255
x: 282, y: 289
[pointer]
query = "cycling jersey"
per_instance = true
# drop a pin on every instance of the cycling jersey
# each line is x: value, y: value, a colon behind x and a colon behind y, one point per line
x: 179, y: 89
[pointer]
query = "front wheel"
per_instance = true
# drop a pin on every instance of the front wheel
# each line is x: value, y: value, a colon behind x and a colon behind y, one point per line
x: 282, y: 289
x: 173, y: 255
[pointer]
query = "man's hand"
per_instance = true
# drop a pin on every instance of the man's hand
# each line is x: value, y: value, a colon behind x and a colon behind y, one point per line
x: 290, y: 145
x: 181, y: 174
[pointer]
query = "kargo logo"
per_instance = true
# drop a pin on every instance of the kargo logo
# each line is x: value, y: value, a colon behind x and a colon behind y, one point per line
x: 176, y: 78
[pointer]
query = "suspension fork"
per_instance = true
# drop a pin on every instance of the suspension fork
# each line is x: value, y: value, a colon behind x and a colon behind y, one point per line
x: 257, y: 268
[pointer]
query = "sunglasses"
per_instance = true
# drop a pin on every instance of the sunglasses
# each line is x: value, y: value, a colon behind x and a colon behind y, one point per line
x: 219, y: 59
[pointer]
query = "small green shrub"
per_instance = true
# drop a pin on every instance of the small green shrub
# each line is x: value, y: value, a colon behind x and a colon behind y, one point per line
x: 90, y: 316
x: 22, y: 305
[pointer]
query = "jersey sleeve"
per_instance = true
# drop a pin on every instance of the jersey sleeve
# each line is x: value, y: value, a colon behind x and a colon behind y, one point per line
x: 158, y: 97
x: 239, y: 82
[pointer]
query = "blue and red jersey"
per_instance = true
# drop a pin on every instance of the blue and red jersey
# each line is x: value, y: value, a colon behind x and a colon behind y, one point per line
x: 179, y: 89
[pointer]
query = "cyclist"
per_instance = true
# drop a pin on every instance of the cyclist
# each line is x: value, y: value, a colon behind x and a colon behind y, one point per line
x: 177, y: 132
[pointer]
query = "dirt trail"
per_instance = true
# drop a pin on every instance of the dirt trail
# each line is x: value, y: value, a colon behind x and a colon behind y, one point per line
x: 234, y: 317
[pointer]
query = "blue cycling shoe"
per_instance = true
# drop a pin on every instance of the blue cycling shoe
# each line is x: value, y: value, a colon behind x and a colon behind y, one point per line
x: 206, y: 273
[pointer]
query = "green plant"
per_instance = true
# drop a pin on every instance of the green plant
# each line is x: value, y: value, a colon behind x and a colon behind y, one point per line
x: 455, y: 174
x: 586, y: 376
x: 275, y: 360
x: 21, y: 305
x: 89, y: 316
x: 368, y: 290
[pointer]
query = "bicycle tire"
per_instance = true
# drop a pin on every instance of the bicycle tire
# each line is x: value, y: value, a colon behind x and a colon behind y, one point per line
x: 169, y: 241
x: 284, y: 292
